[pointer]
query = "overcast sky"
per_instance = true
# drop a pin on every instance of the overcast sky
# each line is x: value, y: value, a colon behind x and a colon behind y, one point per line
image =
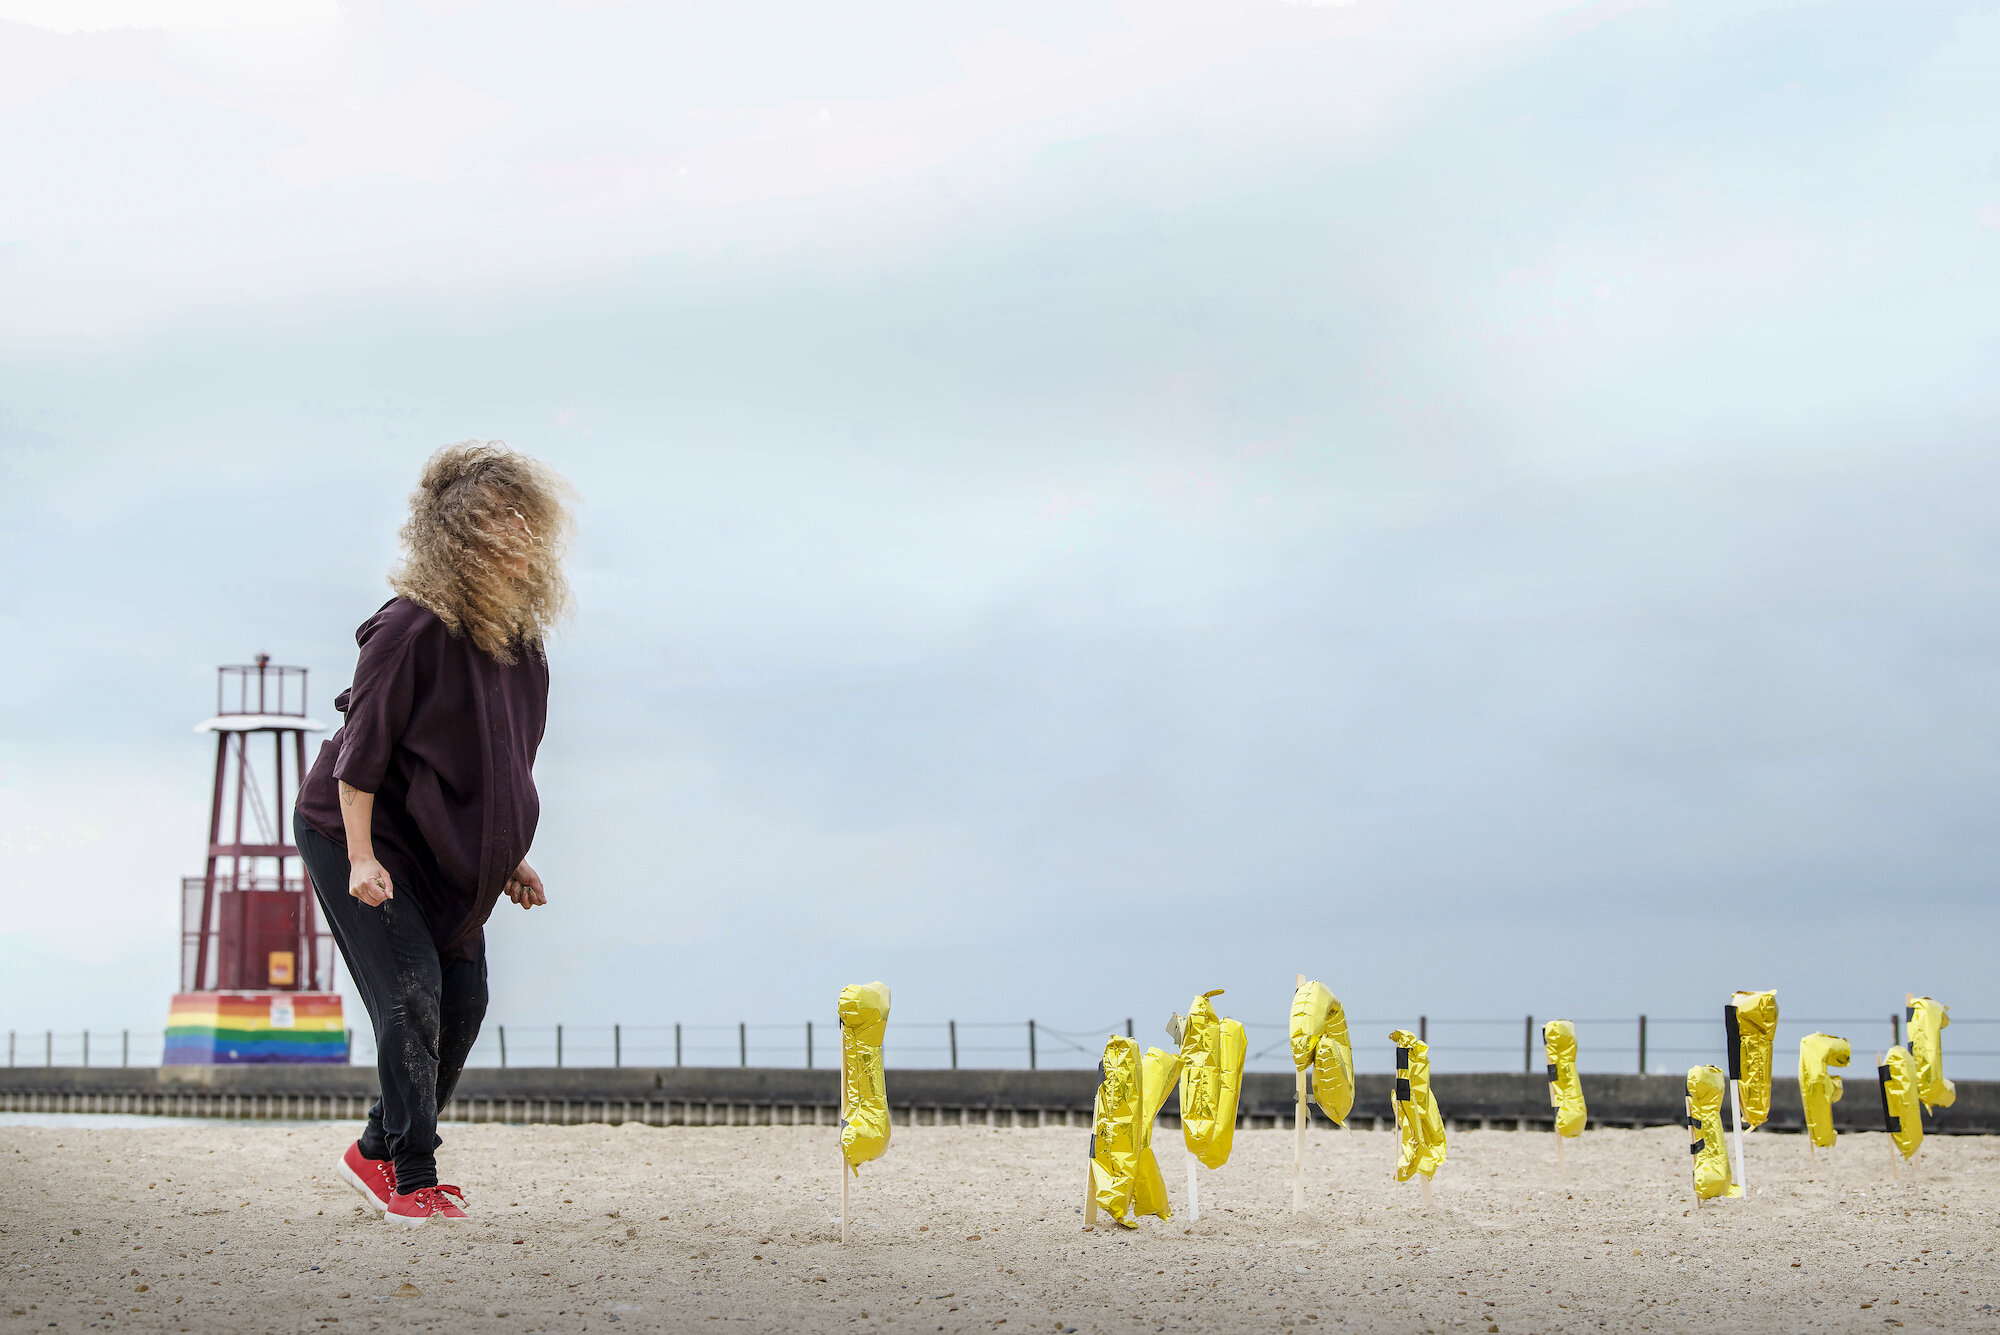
x: 1491, y: 505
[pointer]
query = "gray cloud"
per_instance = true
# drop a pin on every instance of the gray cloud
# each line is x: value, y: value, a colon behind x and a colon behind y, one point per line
x: 1534, y: 556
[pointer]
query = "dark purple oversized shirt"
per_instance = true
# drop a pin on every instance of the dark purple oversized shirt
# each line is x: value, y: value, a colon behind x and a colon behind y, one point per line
x: 445, y: 736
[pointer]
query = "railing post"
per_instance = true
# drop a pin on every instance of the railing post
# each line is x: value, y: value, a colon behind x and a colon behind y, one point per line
x: 1895, y: 1029
x: 1642, y: 1045
x: 86, y: 1047
x: 1423, y: 1028
x: 617, y: 1047
x: 1128, y: 1026
x: 953, y: 1026
x: 125, y: 1047
x: 503, y: 1047
x: 742, y: 1044
x: 49, y: 1048
x: 677, y: 1045
x: 558, y: 1045
x: 1031, y: 1045
x: 809, y: 1045
x: 1528, y: 1047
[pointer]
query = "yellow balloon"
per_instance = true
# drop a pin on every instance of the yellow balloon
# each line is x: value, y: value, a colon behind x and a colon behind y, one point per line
x: 1114, y: 1137
x: 1757, y: 1032
x: 1712, y: 1178
x: 1149, y: 1193
x: 1418, y: 1121
x: 864, y: 1096
x: 1565, y: 1086
x: 1927, y: 1020
x: 1320, y: 1042
x: 1898, y: 1077
x: 1819, y: 1088
x: 1212, y: 1052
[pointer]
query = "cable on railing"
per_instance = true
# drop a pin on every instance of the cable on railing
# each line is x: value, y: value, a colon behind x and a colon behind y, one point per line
x: 940, y: 1043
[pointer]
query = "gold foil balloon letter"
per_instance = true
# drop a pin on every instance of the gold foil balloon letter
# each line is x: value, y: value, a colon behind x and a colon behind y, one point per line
x: 1927, y: 1020
x: 864, y: 1097
x: 1212, y: 1052
x: 1320, y: 1043
x: 1149, y: 1191
x: 1901, y: 1109
x: 1819, y: 1088
x: 1311, y: 1005
x: 1565, y: 1086
x: 1114, y: 1139
x: 1756, y: 1031
x: 1418, y: 1122
x: 1705, y: 1089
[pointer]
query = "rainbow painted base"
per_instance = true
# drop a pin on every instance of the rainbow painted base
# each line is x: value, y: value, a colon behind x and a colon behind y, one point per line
x: 240, y: 1028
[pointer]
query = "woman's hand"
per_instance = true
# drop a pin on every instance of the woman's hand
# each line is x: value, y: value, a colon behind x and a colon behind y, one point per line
x: 368, y: 881
x: 525, y: 888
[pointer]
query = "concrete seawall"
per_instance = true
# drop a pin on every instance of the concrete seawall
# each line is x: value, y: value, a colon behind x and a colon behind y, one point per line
x: 765, y: 1096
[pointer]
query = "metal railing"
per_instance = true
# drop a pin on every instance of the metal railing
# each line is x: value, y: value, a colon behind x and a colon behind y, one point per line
x: 1652, y: 1044
x: 85, y: 1047
x: 809, y: 1044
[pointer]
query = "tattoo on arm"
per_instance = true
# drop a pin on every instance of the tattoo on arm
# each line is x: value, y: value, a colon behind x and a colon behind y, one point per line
x: 347, y: 794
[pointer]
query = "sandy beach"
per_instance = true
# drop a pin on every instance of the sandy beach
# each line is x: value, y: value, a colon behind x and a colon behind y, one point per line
x: 243, y: 1228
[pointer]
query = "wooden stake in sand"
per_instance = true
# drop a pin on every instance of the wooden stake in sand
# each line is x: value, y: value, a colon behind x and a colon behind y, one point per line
x: 1735, y: 1039
x: 838, y: 1147
x: 1177, y: 1028
x: 1736, y: 1131
x: 1177, y: 1031
x: 1888, y: 1116
x: 1090, y: 1162
x: 1299, y: 1115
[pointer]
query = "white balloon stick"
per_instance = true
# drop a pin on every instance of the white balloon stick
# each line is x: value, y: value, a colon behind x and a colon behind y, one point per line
x: 1299, y: 1115
x: 1736, y: 1107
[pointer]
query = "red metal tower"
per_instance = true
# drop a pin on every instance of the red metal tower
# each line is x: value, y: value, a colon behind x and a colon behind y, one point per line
x: 256, y: 970
x: 251, y: 925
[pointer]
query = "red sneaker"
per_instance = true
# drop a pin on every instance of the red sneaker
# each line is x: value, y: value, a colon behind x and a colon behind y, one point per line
x: 373, y: 1178
x: 423, y: 1205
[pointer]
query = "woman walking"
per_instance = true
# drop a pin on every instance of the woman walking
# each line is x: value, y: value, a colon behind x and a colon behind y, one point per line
x: 419, y: 812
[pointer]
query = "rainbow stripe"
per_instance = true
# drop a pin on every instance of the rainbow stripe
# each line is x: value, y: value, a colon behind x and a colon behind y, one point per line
x: 234, y: 1028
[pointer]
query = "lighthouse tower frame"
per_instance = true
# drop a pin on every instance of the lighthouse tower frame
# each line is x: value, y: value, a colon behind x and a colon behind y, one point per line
x: 257, y: 968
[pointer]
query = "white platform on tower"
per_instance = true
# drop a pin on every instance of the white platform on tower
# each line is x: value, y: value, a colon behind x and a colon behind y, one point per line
x: 260, y: 723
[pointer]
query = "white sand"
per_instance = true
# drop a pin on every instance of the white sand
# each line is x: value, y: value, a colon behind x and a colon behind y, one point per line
x: 243, y: 1228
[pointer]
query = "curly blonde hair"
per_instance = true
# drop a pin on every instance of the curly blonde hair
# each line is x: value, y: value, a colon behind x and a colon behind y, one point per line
x: 466, y: 557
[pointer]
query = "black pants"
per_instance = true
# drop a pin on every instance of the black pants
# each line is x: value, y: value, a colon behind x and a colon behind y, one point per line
x: 425, y: 1010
